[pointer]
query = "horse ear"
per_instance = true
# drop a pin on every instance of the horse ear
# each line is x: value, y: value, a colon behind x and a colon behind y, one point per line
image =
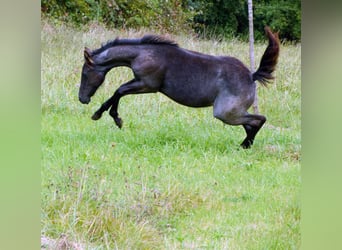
x: 87, y: 56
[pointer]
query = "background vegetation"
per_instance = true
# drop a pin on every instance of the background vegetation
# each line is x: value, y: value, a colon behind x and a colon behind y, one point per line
x: 206, y: 18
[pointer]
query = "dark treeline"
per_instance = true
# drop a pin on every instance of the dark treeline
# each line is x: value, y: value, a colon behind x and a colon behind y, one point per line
x: 206, y: 18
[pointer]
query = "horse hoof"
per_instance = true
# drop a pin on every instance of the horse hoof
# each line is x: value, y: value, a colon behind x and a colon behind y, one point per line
x: 118, y: 122
x: 96, y: 116
x: 246, y: 144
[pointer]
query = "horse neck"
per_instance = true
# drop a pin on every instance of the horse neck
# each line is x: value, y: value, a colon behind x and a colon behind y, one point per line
x: 117, y: 56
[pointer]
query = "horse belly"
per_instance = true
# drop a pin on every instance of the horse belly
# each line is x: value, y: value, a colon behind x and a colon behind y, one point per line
x: 189, y: 95
x: 191, y: 80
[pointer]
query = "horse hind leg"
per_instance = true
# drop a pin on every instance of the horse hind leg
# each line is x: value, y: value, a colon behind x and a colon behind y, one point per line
x: 235, y: 115
x: 252, y: 127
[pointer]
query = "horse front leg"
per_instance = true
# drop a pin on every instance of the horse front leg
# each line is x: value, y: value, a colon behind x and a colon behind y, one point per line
x: 106, y: 105
x: 113, y: 112
x: 134, y: 87
x: 131, y: 87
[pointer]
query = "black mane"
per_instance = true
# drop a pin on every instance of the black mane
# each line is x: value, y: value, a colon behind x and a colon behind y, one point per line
x: 147, y: 39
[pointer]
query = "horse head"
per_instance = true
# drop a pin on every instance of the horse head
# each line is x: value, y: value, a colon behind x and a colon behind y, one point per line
x: 91, y: 78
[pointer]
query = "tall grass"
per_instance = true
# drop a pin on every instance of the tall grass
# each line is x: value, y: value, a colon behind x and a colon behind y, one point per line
x: 173, y: 177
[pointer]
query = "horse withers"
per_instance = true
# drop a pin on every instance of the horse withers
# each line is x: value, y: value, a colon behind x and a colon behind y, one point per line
x: 189, y: 78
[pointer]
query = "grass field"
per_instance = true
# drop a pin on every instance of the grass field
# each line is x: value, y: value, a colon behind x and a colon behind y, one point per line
x: 173, y: 177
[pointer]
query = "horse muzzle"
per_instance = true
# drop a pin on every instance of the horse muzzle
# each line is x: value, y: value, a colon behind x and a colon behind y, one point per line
x: 84, y: 100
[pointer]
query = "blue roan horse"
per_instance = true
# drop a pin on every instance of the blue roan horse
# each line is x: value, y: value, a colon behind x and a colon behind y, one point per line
x: 187, y: 77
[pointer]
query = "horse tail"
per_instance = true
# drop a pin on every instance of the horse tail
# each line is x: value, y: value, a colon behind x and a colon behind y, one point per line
x: 269, y: 59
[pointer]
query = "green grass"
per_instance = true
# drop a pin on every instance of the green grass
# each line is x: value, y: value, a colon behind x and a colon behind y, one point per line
x: 173, y: 177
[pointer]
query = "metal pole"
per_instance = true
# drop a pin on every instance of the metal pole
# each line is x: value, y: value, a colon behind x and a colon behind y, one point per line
x: 251, y: 52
